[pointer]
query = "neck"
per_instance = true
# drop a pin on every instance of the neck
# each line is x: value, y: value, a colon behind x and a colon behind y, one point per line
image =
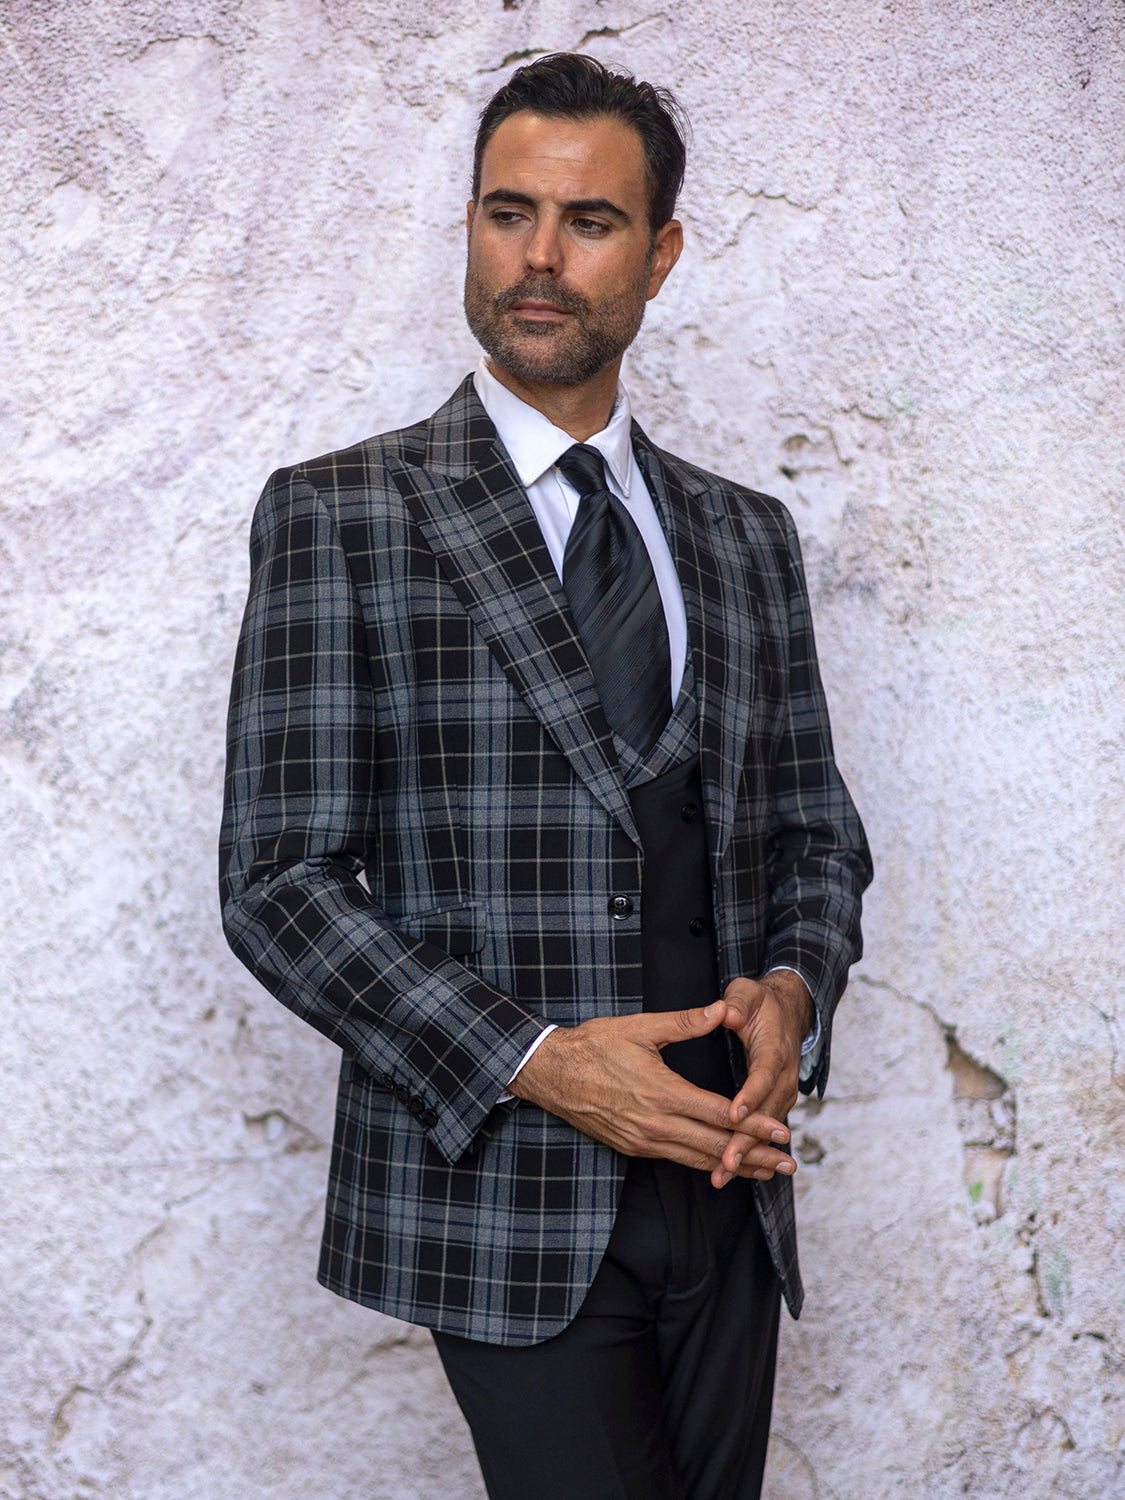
x: 579, y: 410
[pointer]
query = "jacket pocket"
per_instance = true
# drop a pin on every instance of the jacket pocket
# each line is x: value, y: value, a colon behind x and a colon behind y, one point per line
x: 458, y: 930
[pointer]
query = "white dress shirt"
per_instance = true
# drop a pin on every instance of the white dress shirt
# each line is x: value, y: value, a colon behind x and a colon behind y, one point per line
x: 535, y: 445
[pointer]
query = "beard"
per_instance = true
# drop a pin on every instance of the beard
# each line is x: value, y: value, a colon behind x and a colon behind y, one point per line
x: 558, y: 353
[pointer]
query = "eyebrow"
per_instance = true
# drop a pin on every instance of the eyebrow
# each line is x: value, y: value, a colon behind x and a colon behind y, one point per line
x: 573, y: 205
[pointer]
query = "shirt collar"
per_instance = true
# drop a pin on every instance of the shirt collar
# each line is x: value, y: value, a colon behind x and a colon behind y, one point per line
x: 534, y: 443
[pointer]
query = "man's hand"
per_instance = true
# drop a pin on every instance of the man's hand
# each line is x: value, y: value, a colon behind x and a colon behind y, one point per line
x: 772, y: 1016
x: 606, y: 1078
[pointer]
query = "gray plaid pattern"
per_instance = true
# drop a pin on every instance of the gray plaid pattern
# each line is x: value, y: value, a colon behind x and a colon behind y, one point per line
x: 425, y: 823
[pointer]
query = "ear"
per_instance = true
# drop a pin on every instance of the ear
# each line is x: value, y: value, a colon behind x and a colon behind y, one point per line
x: 469, y: 207
x: 666, y: 249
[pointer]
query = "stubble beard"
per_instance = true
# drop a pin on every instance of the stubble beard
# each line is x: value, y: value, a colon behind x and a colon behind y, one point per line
x: 565, y: 353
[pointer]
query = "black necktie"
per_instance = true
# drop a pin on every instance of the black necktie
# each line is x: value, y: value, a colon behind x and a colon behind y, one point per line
x: 608, y: 577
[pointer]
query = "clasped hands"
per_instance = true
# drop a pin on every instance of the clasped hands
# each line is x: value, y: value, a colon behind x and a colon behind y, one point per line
x: 606, y: 1078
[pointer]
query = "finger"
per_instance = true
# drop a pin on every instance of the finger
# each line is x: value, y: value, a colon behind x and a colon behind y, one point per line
x: 736, y: 1015
x: 744, y: 992
x: 755, y: 1164
x: 662, y: 1028
x: 764, y: 1119
x: 751, y: 1097
x: 683, y: 1141
x: 770, y: 1086
x: 758, y: 1127
x: 779, y: 1098
x: 744, y: 1155
x: 677, y: 1107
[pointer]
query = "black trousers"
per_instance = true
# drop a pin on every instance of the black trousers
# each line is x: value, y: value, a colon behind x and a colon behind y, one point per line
x: 661, y: 1387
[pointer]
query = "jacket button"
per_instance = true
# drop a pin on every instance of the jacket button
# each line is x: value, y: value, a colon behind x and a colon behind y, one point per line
x: 689, y: 812
x: 697, y: 926
x: 620, y: 907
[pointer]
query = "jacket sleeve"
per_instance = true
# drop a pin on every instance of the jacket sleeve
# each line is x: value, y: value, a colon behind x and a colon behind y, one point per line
x: 300, y: 815
x: 818, y: 859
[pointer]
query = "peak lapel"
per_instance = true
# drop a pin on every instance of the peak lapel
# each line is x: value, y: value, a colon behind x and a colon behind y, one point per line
x: 474, y: 514
x: 712, y: 560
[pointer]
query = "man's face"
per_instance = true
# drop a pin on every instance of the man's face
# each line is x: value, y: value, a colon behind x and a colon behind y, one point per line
x: 561, y: 258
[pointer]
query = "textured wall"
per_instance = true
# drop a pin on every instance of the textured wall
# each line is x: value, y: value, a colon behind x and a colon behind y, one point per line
x: 231, y: 237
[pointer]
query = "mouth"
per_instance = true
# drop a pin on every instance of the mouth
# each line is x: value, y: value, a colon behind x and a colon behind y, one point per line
x: 538, y: 300
x: 539, y: 312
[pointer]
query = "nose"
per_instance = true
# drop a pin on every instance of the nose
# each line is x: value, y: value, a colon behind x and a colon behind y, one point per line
x: 543, y: 248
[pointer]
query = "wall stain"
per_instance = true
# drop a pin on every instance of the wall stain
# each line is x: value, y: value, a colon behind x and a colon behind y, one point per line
x: 985, y: 1107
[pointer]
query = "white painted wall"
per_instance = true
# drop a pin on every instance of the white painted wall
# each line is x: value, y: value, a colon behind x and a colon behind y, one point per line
x: 230, y: 236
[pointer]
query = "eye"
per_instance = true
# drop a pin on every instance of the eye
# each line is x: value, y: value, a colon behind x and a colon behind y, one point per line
x: 590, y: 226
x: 506, y: 217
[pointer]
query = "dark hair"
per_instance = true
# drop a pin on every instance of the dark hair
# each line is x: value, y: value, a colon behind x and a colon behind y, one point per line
x: 575, y: 87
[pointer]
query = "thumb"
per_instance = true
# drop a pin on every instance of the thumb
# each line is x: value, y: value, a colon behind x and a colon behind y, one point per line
x: 662, y: 1028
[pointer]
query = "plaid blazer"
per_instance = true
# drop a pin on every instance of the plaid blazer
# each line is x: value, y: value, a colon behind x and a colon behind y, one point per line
x: 425, y: 825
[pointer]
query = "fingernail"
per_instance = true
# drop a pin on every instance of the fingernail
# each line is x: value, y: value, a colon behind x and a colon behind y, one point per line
x: 788, y: 1166
x: 779, y: 1137
x: 740, y: 1113
x: 737, y: 1162
x: 710, y: 1011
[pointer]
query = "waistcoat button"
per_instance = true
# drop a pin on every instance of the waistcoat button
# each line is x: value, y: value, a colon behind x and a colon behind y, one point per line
x: 697, y: 926
x: 689, y: 812
x: 620, y: 907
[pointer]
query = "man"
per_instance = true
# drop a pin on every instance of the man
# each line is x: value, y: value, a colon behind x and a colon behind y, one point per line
x: 531, y: 808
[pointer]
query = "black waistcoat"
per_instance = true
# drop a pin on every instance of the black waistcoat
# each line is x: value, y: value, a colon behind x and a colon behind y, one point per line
x: 679, y: 963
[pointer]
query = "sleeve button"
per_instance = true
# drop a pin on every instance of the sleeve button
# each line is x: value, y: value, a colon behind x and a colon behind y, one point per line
x: 697, y: 926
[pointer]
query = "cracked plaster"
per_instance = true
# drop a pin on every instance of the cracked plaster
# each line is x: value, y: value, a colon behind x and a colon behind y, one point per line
x: 232, y: 237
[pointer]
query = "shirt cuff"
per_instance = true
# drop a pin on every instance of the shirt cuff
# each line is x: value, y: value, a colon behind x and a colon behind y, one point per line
x: 505, y: 1097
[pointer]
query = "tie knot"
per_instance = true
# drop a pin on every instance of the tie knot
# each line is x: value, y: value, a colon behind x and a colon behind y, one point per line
x: 585, y: 469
